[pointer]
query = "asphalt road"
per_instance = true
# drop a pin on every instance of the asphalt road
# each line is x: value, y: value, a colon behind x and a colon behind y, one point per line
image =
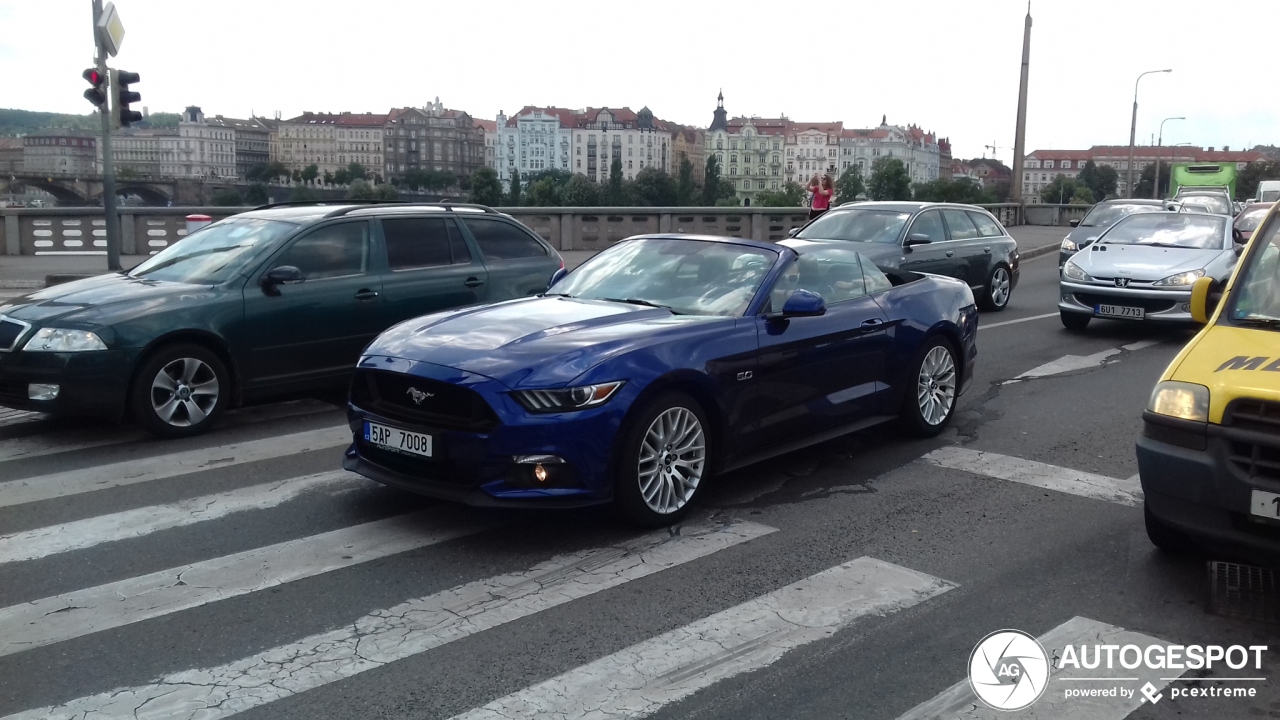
x: 221, y: 575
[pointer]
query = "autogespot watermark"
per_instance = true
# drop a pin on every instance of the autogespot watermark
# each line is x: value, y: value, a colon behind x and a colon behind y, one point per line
x: 1010, y: 670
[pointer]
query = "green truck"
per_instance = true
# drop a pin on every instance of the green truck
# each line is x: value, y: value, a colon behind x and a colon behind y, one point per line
x: 1216, y: 175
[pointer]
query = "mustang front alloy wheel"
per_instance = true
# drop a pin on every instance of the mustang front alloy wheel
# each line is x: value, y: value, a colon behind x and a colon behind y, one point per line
x: 664, y: 461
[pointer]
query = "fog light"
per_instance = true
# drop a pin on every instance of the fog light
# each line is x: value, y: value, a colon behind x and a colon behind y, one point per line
x: 42, y: 391
x: 1067, y: 298
x: 1186, y: 307
x: 539, y: 473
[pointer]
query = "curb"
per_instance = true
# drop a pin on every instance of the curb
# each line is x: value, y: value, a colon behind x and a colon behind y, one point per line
x: 1037, y: 252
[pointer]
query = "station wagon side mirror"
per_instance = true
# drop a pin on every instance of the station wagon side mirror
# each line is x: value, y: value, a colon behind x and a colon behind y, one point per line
x: 1074, y: 223
x: 801, y: 303
x: 916, y: 238
x: 283, y: 275
x: 557, y: 277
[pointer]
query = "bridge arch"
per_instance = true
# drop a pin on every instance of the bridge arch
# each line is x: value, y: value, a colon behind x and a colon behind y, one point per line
x: 63, y: 194
x: 149, y: 194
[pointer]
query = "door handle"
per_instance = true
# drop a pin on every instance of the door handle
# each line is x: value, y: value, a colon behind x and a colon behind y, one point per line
x: 986, y: 250
x: 473, y: 282
x: 873, y: 322
x: 366, y: 294
x: 951, y: 253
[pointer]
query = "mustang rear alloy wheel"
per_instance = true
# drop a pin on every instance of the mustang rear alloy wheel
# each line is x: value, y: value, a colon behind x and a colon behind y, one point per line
x: 179, y: 391
x: 931, y: 391
x: 664, y: 461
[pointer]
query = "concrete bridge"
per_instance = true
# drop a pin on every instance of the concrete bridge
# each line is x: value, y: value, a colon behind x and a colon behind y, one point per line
x: 87, y: 190
x: 82, y: 230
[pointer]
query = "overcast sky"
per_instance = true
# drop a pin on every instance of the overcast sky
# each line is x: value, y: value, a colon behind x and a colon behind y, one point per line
x: 947, y: 65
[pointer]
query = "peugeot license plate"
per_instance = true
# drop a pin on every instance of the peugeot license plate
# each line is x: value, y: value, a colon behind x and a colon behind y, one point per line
x: 391, y: 438
x: 1265, y: 504
x: 1120, y: 311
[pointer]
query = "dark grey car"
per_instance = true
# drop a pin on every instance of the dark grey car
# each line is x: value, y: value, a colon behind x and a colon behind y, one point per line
x: 1099, y: 218
x: 960, y: 241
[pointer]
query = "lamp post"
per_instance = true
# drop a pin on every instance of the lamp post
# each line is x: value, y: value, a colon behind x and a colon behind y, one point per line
x: 1133, y: 129
x: 1155, y: 186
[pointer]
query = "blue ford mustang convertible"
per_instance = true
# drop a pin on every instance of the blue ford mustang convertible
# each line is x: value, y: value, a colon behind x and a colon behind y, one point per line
x: 660, y: 362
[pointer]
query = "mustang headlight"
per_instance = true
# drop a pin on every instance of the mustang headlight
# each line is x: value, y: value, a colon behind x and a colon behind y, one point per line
x: 1072, y: 271
x: 1186, y: 278
x: 1187, y: 401
x: 1069, y: 245
x: 64, y: 340
x: 566, y: 399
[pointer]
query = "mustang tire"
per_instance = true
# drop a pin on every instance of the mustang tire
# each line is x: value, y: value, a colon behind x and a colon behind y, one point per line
x: 179, y: 391
x: 998, y: 290
x: 932, y: 389
x: 664, y: 460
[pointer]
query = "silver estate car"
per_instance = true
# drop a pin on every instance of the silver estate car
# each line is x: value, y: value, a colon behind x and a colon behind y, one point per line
x: 1143, y: 267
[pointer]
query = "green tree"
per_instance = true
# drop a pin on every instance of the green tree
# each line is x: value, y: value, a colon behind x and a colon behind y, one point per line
x: 513, y: 195
x: 616, y: 194
x: 386, y: 191
x: 302, y: 193
x: 1254, y: 173
x: 256, y: 172
x: 256, y: 194
x: 486, y: 188
x: 1108, y: 181
x: 791, y: 195
x: 360, y: 190
x: 850, y: 185
x: 653, y: 188
x: 580, y: 192
x: 341, y: 177
x: 543, y: 193
x: 227, y: 197
x: 275, y: 170
x: 711, y: 183
x: 328, y: 178
x: 297, y: 175
x: 727, y: 195
x: 356, y: 171
x: 685, y: 187
x: 963, y: 190
x: 1082, y: 195
x: 310, y: 173
x: 889, y: 180
x: 1061, y: 190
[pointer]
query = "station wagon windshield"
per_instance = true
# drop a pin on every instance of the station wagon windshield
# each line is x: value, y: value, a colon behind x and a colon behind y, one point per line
x: 1107, y: 215
x: 214, y: 253
x: 1168, y: 230
x: 869, y: 226
x: 688, y: 277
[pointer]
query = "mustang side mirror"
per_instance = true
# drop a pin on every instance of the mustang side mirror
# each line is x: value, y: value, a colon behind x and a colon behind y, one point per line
x: 1074, y: 223
x: 283, y: 275
x: 802, y: 303
x: 557, y: 277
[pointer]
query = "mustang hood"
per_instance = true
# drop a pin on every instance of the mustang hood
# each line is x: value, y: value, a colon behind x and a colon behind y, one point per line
x: 1141, y: 262
x: 100, y: 300
x: 532, y: 341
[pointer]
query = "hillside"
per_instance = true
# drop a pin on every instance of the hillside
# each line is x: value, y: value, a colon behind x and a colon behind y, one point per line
x: 24, y: 122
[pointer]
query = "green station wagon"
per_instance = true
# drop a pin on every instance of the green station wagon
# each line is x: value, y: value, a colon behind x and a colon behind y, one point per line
x: 274, y: 301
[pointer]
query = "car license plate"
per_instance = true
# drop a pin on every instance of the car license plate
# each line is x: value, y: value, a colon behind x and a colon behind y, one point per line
x: 1265, y: 504
x: 391, y: 438
x: 1120, y: 311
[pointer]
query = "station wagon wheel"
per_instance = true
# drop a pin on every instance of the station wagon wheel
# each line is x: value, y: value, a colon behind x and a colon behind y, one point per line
x: 179, y: 391
x: 664, y: 461
x: 931, y: 389
x: 998, y: 290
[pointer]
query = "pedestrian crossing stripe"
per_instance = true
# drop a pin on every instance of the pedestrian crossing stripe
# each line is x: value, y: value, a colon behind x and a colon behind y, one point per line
x: 1126, y: 491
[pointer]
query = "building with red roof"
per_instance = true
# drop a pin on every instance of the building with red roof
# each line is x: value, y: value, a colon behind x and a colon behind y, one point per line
x: 332, y: 141
x: 1042, y: 167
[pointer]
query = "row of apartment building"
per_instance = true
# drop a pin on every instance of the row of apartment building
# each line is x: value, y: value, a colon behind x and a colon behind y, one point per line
x: 754, y: 153
x: 1042, y: 167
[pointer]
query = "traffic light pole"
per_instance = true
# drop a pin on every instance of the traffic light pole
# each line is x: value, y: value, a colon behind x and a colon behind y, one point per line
x: 108, y: 169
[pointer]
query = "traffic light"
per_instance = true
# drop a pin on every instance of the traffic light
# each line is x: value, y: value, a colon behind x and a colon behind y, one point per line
x: 96, y: 94
x: 121, y: 115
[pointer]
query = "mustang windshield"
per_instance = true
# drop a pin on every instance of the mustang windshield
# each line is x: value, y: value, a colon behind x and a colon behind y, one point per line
x: 1105, y: 215
x: 857, y: 225
x: 1168, y: 230
x: 214, y: 253
x: 1257, y: 299
x: 689, y: 277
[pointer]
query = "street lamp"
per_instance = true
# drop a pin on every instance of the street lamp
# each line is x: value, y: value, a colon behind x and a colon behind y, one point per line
x: 1155, y: 186
x: 1133, y: 129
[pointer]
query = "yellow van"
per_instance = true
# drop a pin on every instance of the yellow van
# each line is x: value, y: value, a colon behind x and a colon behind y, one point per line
x: 1209, y: 454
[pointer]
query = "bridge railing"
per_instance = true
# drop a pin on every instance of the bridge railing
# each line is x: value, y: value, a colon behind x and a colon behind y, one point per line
x: 32, y: 231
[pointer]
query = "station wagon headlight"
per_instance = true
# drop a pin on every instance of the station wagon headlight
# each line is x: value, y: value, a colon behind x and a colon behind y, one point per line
x: 1069, y: 245
x: 1072, y: 271
x: 1185, y: 278
x: 566, y: 399
x: 64, y: 340
x: 1186, y: 401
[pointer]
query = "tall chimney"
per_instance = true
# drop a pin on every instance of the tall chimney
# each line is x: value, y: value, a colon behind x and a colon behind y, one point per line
x: 1020, y: 133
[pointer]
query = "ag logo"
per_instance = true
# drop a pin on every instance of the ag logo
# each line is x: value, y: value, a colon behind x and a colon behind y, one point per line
x: 1008, y: 670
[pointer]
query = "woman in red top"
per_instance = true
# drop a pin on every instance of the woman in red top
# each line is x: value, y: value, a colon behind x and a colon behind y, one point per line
x: 822, y: 191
